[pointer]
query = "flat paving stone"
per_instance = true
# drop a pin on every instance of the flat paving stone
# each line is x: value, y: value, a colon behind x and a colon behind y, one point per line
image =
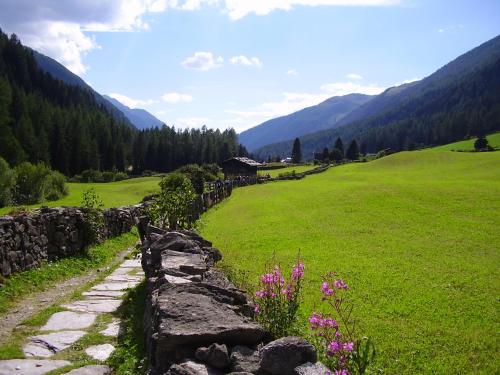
x: 115, y: 286
x: 49, y: 344
x: 112, y: 330
x: 69, y: 320
x: 131, y: 263
x: 91, y: 370
x: 100, y: 352
x: 105, y: 294
x: 94, y: 305
x: 30, y: 366
x: 123, y: 278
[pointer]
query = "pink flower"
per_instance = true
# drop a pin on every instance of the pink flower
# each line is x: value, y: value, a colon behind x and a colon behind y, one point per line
x: 340, y: 284
x: 256, y: 309
x: 298, y: 271
x: 342, y: 371
x: 329, y: 322
x: 335, y: 346
x: 314, y: 320
x: 348, y: 346
x: 260, y: 293
x: 325, y: 288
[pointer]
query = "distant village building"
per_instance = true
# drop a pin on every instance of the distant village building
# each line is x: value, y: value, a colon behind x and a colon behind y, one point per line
x: 237, y: 166
x: 287, y: 160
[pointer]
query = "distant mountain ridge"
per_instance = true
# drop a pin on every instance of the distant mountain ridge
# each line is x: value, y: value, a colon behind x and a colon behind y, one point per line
x: 323, y: 116
x: 140, y: 118
x: 60, y: 72
x: 460, y: 99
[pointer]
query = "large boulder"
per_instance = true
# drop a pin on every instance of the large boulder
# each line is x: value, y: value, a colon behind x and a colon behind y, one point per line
x: 282, y: 356
x: 215, y: 355
x: 245, y: 359
x: 191, y: 368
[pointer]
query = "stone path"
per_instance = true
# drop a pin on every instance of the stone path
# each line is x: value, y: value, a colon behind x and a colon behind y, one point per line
x: 65, y: 328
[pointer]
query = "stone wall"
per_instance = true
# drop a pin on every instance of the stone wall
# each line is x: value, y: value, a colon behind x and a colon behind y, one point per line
x: 52, y: 233
x: 197, y: 322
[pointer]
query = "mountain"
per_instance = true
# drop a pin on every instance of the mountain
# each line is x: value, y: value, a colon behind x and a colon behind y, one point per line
x: 325, y: 115
x: 140, y: 118
x: 460, y: 99
x: 60, y: 72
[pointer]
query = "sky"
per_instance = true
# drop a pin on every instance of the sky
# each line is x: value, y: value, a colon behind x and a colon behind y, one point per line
x: 237, y: 63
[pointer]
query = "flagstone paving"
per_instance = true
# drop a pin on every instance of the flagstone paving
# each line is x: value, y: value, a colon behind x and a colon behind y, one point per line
x: 65, y: 328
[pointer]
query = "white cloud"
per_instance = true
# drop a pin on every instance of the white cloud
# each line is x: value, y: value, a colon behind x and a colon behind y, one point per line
x: 130, y: 102
x: 292, y: 72
x: 354, y: 77
x: 175, y: 97
x: 409, y: 80
x: 191, y: 122
x: 245, y: 61
x: 344, y: 88
x: 202, y: 61
x: 240, y: 8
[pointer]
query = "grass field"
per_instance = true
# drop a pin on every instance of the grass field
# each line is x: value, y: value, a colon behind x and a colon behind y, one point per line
x: 416, y: 235
x: 468, y: 145
x: 296, y: 168
x: 113, y: 194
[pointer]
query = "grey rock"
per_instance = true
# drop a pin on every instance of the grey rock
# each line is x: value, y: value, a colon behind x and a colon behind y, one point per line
x: 30, y: 366
x: 282, y: 356
x: 115, y: 286
x: 192, y: 368
x: 104, y: 294
x: 68, y: 320
x: 215, y: 355
x: 112, y: 330
x: 193, y: 264
x: 312, y: 369
x: 49, y: 344
x: 244, y: 359
x: 100, y: 352
x: 91, y: 370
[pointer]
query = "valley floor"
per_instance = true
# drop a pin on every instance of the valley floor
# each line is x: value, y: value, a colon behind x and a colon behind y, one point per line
x: 414, y: 234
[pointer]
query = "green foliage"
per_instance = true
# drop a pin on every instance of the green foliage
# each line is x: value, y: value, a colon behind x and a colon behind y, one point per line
x: 130, y: 354
x: 93, y: 207
x: 481, y: 144
x: 352, y: 152
x: 170, y: 208
x: 92, y: 175
x: 198, y: 175
x: 7, y: 181
x: 36, y: 183
x: 336, y: 155
x: 421, y: 254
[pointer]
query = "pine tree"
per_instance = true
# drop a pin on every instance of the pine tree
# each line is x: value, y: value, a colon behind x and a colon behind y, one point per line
x: 339, y: 145
x: 352, y: 151
x: 296, y: 152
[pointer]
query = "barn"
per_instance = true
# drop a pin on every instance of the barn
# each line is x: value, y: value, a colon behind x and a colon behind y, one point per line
x: 240, y: 166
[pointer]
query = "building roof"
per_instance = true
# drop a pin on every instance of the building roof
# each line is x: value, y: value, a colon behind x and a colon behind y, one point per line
x: 247, y: 161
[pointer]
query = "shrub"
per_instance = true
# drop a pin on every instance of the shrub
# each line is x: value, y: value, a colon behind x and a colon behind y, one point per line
x: 93, y: 206
x: 278, y: 299
x: 170, y: 208
x: 7, y: 181
x: 120, y: 176
x: 31, y: 183
x: 56, y: 186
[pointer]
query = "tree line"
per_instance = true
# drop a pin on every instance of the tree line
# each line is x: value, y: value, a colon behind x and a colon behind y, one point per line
x: 44, y: 120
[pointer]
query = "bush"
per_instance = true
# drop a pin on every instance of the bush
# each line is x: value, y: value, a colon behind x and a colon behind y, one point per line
x: 92, y: 175
x: 170, y: 208
x: 93, y: 206
x: 56, y: 186
x: 7, y: 181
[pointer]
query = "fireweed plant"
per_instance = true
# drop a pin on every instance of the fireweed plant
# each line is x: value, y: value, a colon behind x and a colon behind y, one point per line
x: 334, y: 333
x: 278, y: 299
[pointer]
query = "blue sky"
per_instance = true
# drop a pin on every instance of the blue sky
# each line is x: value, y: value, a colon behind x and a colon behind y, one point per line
x: 237, y: 63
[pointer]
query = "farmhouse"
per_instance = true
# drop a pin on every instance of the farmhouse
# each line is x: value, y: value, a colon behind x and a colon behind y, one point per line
x: 239, y: 166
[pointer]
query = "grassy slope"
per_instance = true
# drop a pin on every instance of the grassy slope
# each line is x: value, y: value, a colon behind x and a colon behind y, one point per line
x: 416, y: 236
x: 493, y: 140
x: 114, y: 194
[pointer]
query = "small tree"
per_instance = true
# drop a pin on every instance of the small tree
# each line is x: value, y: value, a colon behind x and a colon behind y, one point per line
x: 93, y: 207
x: 296, y: 152
x: 339, y: 145
x: 170, y: 209
x: 325, y: 155
x: 353, y: 151
x: 336, y: 155
x: 481, y: 143
x: 7, y: 181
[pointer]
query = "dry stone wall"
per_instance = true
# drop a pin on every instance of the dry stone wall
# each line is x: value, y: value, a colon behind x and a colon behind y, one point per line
x: 49, y: 234
x: 198, y: 323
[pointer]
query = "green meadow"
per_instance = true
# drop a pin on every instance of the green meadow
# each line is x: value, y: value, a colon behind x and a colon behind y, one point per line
x: 113, y: 194
x: 468, y: 145
x: 416, y: 236
x: 296, y: 168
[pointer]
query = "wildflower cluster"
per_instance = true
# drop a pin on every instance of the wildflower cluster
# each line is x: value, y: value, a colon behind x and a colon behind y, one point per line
x: 277, y: 300
x: 335, y: 333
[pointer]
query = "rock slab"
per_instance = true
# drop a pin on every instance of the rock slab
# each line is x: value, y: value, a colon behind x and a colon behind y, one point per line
x: 48, y: 345
x: 282, y: 356
x: 30, y: 366
x: 100, y: 352
x: 68, y: 320
x: 91, y: 370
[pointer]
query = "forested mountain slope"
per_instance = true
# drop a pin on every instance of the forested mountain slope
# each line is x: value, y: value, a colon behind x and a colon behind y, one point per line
x: 460, y: 99
x: 325, y: 115
x: 140, y: 118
